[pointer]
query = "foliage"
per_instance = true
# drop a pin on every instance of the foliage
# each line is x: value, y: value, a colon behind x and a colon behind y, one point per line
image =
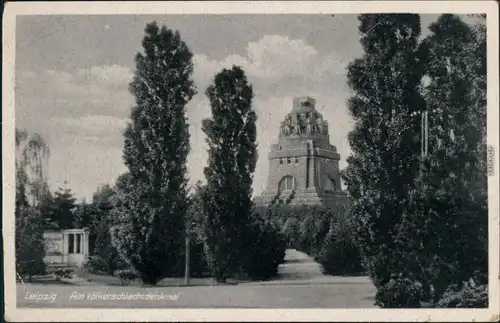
x: 127, y: 275
x: 231, y: 135
x: 63, y: 273
x: 30, y: 245
x: 266, y: 249
x: 451, y: 193
x: 97, y: 214
x: 339, y: 254
x: 62, y: 209
x: 400, y: 292
x: 152, y: 207
x: 47, y: 209
x: 384, y: 142
x: 325, y: 233
x: 104, y: 256
x: 84, y: 215
x: 32, y: 154
x: 29, y: 223
x: 195, y: 217
x: 400, y: 200
x: 470, y: 294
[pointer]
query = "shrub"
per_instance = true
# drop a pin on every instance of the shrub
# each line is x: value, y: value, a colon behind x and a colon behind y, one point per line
x: 290, y: 231
x: 265, y: 251
x: 64, y: 273
x: 29, y: 244
x: 31, y: 268
x: 469, y: 295
x: 126, y: 275
x: 105, y: 259
x: 304, y: 227
x: 339, y: 255
x: 102, y: 265
x: 400, y: 292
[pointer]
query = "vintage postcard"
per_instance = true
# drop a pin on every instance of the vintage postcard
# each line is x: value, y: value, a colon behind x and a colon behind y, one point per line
x: 251, y: 161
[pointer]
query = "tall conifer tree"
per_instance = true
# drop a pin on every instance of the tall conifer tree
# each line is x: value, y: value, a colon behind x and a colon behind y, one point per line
x: 385, y: 140
x: 231, y: 135
x: 153, y: 203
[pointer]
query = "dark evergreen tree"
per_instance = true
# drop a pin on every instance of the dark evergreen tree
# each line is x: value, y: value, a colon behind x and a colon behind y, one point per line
x: 150, y: 233
x: 46, y: 208
x: 231, y: 135
x: 63, y: 208
x: 83, y: 214
x: 385, y: 141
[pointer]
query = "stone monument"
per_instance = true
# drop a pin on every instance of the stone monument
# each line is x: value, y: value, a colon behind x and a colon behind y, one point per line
x: 304, y: 166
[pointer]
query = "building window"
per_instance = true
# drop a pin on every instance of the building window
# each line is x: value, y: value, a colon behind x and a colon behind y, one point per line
x: 75, y: 243
x: 296, y: 160
x: 281, y: 147
x: 287, y: 183
x: 289, y: 161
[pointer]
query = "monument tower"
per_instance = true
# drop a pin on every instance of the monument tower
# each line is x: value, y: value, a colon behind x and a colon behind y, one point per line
x: 304, y: 166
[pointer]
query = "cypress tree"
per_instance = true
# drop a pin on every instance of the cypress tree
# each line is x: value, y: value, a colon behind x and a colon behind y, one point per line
x: 154, y: 201
x: 231, y: 135
x: 62, y: 209
x: 385, y: 141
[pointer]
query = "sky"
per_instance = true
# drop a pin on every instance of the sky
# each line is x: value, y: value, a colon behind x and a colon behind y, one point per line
x: 72, y: 76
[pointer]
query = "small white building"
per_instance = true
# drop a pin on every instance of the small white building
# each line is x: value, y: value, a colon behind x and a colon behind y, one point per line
x: 66, y: 247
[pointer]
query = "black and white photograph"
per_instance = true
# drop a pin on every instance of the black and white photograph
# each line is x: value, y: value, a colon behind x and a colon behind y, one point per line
x: 314, y: 161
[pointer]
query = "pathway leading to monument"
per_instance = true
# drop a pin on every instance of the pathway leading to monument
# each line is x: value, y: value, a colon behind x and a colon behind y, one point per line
x: 299, y: 267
